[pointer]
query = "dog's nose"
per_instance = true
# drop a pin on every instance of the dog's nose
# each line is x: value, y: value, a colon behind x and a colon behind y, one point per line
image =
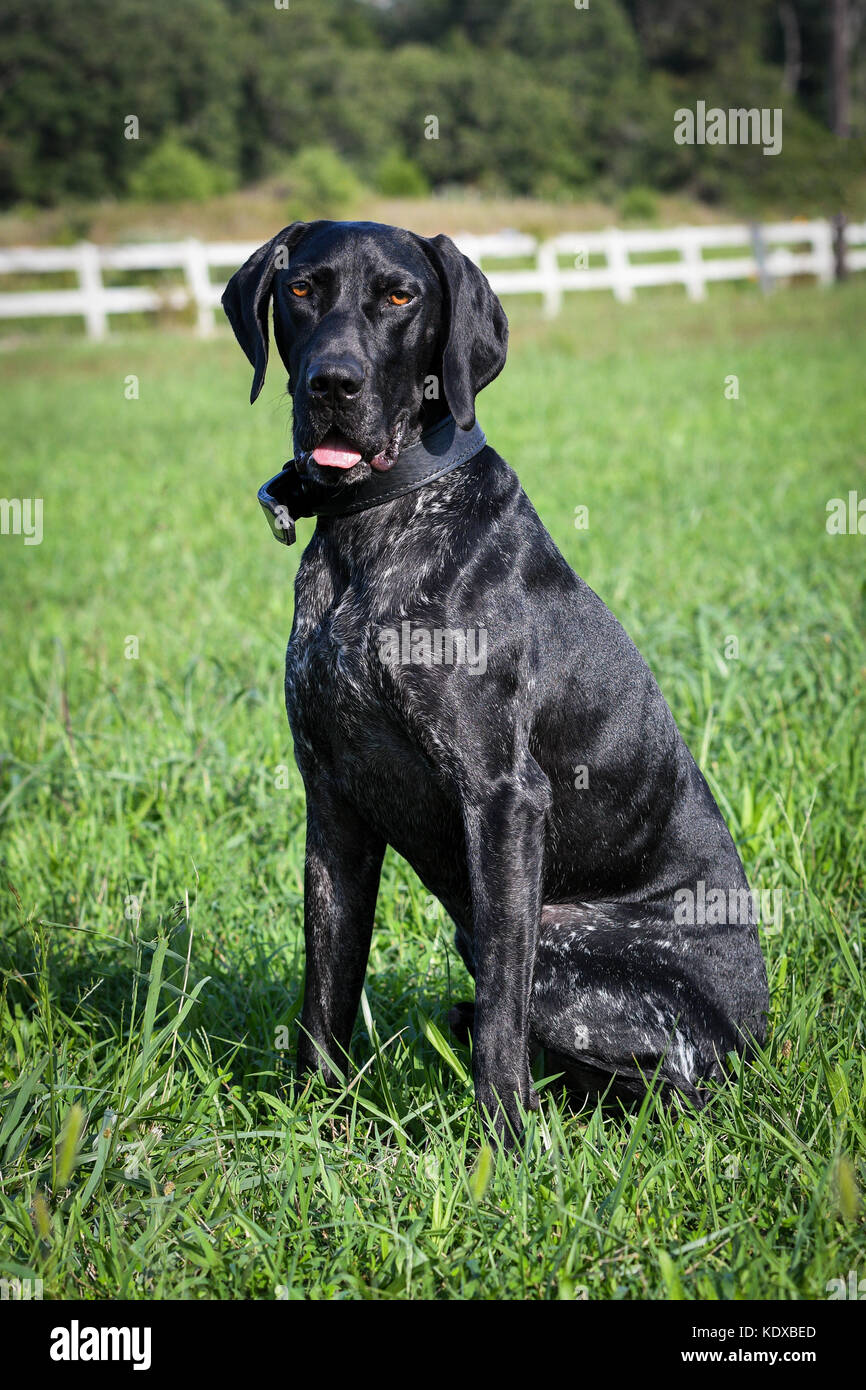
x: 339, y: 378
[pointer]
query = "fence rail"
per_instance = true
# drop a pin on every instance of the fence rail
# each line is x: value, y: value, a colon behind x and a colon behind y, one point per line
x: 616, y: 260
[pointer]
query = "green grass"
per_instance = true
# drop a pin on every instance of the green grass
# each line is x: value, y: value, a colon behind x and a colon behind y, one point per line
x: 150, y: 1144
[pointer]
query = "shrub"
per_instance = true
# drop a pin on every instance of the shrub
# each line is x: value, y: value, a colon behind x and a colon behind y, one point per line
x: 172, y: 172
x: 639, y: 205
x: 398, y: 176
x: 320, y: 183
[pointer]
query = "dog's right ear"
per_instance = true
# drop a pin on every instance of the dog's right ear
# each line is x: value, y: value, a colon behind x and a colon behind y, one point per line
x: 248, y: 293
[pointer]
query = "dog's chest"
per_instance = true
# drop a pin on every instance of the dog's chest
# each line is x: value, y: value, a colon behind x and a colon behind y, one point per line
x: 347, y: 711
x: 328, y: 677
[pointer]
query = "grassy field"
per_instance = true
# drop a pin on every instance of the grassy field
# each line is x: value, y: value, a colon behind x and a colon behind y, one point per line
x: 152, y: 839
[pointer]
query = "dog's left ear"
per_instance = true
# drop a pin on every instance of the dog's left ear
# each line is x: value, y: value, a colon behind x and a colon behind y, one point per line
x: 475, y: 329
x: 248, y: 293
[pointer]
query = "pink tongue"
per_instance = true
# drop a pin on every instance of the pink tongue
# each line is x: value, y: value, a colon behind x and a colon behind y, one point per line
x: 335, y: 452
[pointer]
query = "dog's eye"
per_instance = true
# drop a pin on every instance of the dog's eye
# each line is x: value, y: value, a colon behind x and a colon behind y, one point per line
x: 300, y: 289
x: 399, y: 297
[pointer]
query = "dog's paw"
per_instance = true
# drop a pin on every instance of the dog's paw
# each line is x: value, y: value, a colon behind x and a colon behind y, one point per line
x: 503, y: 1104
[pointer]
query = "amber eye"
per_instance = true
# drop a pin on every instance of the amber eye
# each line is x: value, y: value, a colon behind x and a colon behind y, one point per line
x: 300, y: 289
x: 399, y: 297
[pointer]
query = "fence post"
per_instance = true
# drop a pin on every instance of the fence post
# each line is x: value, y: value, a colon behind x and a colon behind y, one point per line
x: 840, y: 246
x: 822, y: 240
x: 618, y: 265
x: 759, y: 251
x: 90, y: 283
x: 548, y: 271
x: 693, y: 272
x: 198, y: 279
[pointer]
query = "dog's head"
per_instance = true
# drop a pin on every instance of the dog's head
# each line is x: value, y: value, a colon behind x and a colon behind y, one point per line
x: 375, y: 326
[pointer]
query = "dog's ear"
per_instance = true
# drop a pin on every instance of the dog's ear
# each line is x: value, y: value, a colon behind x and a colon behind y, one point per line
x: 475, y: 329
x: 248, y: 294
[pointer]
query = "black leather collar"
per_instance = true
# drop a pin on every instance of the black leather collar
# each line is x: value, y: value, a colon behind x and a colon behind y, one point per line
x: 287, y: 496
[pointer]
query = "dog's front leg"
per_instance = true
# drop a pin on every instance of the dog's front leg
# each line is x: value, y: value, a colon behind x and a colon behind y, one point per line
x: 505, y: 842
x: 341, y: 881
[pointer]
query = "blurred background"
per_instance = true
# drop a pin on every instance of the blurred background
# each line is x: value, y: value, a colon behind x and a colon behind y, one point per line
x: 254, y: 112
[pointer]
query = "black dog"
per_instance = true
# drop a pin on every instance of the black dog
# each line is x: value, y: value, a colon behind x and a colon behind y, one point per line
x: 447, y: 676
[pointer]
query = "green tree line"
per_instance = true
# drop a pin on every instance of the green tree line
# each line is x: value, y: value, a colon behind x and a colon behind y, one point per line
x: 535, y: 97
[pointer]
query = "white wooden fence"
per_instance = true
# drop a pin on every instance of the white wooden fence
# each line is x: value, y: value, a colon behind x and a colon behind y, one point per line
x: 617, y: 260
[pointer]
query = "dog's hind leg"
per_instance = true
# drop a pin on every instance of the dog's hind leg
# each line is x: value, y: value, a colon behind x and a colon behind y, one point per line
x: 618, y: 997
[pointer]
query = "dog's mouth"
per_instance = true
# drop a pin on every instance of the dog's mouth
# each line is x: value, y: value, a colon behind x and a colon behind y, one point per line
x: 337, y: 451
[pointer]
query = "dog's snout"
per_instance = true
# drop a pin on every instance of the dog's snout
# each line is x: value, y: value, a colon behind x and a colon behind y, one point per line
x: 335, y: 377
